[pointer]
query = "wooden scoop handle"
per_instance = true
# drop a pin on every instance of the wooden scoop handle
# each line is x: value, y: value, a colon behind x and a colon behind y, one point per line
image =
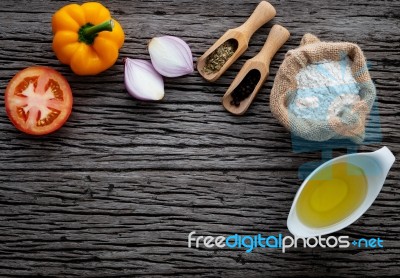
x: 277, y: 36
x: 263, y: 13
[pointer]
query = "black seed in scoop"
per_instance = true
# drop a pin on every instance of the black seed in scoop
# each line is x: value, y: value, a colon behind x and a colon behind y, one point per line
x: 246, y: 87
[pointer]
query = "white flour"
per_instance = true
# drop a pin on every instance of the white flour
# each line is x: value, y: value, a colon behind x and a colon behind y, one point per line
x: 324, y: 90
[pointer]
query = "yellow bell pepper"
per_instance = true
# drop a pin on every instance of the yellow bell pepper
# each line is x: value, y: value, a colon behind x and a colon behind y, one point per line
x: 86, y: 37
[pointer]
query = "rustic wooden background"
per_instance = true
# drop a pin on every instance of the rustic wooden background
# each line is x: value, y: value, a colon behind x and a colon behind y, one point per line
x: 117, y: 190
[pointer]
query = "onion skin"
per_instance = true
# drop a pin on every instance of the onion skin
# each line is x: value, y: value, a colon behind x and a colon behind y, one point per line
x: 142, y: 81
x: 171, y: 56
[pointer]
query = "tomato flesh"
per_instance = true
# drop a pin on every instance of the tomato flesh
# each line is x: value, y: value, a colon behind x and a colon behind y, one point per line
x: 38, y: 100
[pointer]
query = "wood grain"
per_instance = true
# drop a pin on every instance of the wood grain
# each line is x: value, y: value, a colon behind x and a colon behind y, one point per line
x: 117, y: 190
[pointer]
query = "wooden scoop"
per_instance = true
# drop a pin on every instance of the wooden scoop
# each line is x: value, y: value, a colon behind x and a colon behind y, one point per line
x: 242, y: 34
x: 276, y: 38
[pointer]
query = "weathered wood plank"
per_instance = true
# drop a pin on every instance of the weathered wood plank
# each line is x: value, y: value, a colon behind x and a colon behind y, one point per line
x: 116, y: 191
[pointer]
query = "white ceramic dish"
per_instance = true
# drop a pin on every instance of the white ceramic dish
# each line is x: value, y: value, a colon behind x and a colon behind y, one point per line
x: 376, y: 166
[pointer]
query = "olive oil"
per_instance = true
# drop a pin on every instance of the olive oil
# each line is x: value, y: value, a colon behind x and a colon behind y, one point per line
x: 331, y: 195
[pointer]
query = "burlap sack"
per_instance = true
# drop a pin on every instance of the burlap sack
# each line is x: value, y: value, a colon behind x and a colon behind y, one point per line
x: 343, y: 118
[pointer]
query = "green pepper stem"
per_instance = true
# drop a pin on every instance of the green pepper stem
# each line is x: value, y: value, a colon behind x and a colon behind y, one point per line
x: 88, y: 32
x: 107, y: 25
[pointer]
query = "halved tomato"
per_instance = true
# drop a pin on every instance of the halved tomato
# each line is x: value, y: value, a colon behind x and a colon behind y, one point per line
x: 38, y: 100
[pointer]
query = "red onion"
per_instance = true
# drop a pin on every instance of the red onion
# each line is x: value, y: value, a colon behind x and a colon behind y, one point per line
x: 142, y: 81
x: 171, y: 56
